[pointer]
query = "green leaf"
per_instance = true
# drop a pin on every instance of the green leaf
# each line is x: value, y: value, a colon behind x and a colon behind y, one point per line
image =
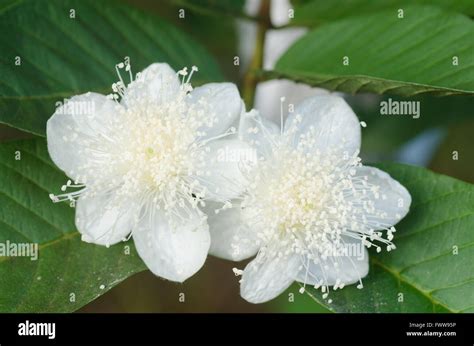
x: 68, y: 272
x: 408, y: 56
x: 207, y: 15
x: 293, y: 301
x: 431, y: 269
x: 232, y: 8
x: 314, y: 12
x: 63, y: 56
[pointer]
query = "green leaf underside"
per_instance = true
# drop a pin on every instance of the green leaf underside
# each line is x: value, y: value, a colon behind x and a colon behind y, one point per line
x: 65, y: 265
x: 207, y: 15
x: 212, y: 7
x: 424, y: 267
x: 386, y: 54
x: 63, y: 56
x: 315, y: 11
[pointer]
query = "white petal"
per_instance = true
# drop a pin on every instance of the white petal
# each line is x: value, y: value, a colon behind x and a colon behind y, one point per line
x: 265, y: 278
x: 231, y: 239
x: 225, y: 164
x: 157, y: 83
x: 348, y: 266
x: 258, y: 132
x: 221, y: 99
x: 103, y: 219
x: 293, y: 93
x: 328, y: 121
x: 392, y: 201
x: 72, y: 127
x: 173, y: 248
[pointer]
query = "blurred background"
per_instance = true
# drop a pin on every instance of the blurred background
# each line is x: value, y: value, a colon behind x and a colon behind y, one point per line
x: 431, y: 141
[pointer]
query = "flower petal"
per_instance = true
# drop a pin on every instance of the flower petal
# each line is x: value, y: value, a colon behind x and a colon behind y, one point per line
x: 324, y: 122
x: 74, y: 126
x: 104, y: 219
x: 224, y: 163
x: 173, y: 247
x: 266, y: 277
x: 157, y: 83
x: 258, y: 132
x: 231, y: 239
x: 348, y: 266
x: 221, y: 99
x: 391, y: 201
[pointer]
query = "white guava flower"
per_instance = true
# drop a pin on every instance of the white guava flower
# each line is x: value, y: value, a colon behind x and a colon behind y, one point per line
x: 143, y: 162
x: 310, y: 209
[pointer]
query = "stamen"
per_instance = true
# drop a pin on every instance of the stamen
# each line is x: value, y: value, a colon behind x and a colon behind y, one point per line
x: 193, y: 69
x: 237, y: 272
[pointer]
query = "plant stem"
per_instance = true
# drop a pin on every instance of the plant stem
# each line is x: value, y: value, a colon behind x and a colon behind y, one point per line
x: 250, y: 78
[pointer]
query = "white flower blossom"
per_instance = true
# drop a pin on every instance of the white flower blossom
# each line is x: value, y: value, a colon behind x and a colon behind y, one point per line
x: 310, y: 209
x: 143, y: 162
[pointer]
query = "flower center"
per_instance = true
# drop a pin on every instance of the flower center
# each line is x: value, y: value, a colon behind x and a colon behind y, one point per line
x: 156, y: 148
x: 156, y: 153
x: 296, y: 196
x: 301, y: 203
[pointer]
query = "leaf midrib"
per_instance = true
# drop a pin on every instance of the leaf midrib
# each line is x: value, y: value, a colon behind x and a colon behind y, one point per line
x: 10, y: 6
x: 66, y: 236
x: 325, y: 78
